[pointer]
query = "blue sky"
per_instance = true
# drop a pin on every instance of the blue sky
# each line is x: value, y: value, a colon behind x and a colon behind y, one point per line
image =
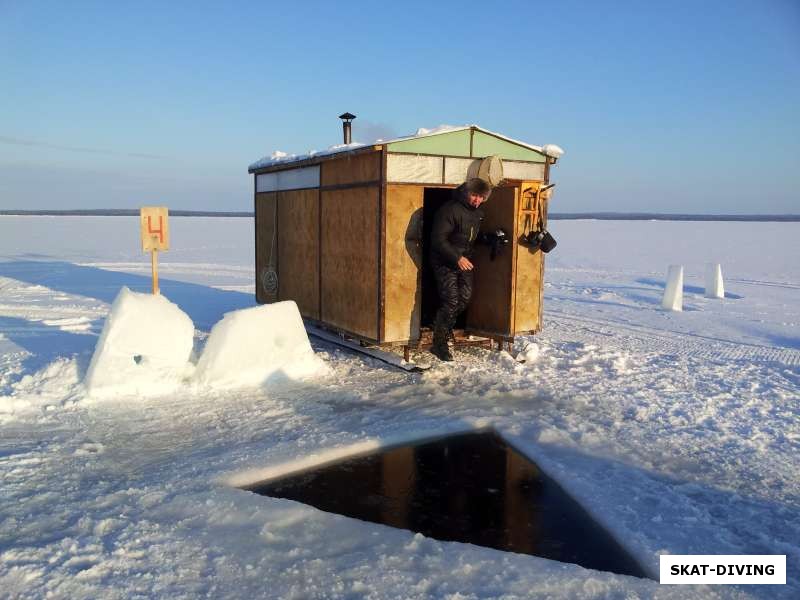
x: 660, y: 106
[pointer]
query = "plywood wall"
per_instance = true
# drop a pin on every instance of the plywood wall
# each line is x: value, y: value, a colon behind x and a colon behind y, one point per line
x: 266, y: 242
x: 350, y: 252
x: 298, y: 249
x: 403, y: 295
x: 358, y: 168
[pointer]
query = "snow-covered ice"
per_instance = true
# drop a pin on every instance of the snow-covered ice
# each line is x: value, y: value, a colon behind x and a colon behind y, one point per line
x: 680, y: 432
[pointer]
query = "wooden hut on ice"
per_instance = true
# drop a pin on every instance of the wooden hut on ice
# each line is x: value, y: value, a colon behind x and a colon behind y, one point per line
x: 344, y: 233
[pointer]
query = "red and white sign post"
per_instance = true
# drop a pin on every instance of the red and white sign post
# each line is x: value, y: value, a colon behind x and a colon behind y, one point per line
x: 155, y: 235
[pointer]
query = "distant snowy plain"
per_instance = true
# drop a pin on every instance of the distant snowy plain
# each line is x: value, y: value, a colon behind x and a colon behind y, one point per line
x: 678, y: 431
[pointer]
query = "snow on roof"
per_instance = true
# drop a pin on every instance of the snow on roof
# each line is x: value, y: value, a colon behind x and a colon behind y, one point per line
x: 552, y: 150
x: 279, y: 157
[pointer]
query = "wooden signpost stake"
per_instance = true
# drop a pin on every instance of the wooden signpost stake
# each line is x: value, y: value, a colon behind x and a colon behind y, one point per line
x: 154, y: 268
x: 154, y: 226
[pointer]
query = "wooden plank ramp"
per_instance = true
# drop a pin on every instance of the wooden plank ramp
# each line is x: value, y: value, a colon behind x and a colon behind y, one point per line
x: 390, y: 358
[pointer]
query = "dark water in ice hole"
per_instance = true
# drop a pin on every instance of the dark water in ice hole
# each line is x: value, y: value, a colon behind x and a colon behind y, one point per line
x: 470, y: 488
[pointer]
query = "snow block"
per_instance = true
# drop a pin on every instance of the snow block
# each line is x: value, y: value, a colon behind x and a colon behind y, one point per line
x: 673, y: 291
x: 144, y: 348
x: 252, y: 346
x: 714, y: 285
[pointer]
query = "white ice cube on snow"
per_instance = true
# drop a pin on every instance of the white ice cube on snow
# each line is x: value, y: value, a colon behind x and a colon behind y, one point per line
x: 144, y: 348
x: 252, y: 346
x: 673, y: 291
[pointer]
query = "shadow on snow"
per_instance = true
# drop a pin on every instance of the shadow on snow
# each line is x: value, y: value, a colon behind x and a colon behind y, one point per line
x: 205, y: 305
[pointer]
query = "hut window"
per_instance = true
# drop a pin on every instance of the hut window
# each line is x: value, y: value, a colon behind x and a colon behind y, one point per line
x: 404, y: 168
x: 291, y: 179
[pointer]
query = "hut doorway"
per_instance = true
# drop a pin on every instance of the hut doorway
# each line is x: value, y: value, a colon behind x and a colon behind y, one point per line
x: 490, y: 312
x: 433, y: 199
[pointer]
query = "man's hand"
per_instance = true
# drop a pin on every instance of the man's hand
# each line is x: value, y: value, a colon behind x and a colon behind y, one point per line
x: 464, y: 264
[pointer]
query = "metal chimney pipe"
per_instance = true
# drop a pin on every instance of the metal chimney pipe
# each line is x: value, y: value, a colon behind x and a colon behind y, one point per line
x: 347, y: 118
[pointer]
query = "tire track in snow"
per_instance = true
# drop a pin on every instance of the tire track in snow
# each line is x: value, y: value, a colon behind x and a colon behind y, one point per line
x: 627, y: 336
x: 777, y: 284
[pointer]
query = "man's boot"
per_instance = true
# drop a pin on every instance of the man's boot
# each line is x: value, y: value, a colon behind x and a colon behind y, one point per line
x: 439, y: 348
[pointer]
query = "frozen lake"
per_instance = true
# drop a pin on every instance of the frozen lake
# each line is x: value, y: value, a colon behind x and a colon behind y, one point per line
x: 681, y: 431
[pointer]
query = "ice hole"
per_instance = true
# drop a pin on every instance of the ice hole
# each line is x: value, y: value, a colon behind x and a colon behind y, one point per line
x: 137, y: 358
x: 471, y: 488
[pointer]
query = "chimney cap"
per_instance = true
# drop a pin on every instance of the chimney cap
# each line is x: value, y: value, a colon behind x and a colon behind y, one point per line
x: 347, y: 116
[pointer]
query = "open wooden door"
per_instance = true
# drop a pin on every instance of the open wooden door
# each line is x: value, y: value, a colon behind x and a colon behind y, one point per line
x: 491, y: 311
x: 529, y: 279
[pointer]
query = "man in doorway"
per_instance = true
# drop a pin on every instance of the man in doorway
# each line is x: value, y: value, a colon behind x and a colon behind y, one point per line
x: 456, y: 228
